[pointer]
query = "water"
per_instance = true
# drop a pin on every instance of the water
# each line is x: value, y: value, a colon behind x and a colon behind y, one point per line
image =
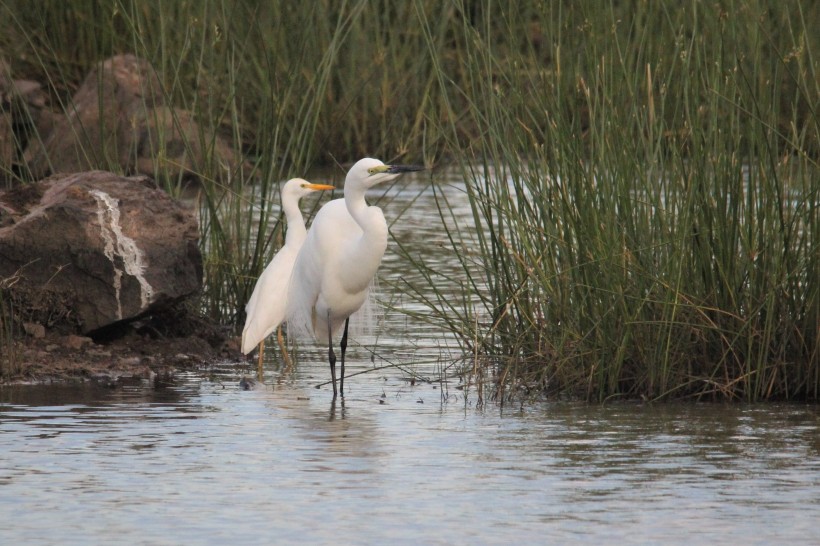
x: 201, y: 461
x: 204, y: 462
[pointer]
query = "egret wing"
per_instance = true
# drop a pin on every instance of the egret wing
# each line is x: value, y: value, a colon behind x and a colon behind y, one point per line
x: 266, y: 308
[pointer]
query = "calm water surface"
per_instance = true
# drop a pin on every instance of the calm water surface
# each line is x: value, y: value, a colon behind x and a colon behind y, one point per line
x: 201, y: 461
x: 204, y: 462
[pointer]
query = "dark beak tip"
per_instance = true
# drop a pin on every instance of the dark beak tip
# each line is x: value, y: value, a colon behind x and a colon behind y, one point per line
x: 405, y: 168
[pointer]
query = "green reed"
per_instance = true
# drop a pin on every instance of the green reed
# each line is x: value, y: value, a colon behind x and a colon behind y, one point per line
x: 646, y: 184
x: 643, y: 176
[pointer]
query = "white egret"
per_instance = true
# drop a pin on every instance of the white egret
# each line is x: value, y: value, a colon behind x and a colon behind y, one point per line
x: 266, y: 308
x: 339, y: 258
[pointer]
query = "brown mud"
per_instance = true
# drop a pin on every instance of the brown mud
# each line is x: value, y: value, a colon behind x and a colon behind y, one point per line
x: 145, y: 350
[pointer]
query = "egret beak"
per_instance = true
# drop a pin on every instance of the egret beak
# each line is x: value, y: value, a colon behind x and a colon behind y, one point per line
x: 397, y: 169
x: 319, y: 187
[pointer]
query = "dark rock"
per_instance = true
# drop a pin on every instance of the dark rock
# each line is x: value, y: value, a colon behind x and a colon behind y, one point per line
x: 37, y: 331
x: 97, y: 128
x: 118, y: 120
x: 89, y: 250
x: 169, y: 142
x: 76, y: 342
x: 22, y: 111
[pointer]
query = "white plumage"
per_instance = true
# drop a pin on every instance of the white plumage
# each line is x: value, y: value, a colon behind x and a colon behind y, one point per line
x: 266, y: 308
x: 339, y: 259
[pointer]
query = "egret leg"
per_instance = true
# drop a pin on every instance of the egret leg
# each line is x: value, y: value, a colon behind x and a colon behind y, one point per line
x: 331, y: 356
x: 261, y: 358
x: 280, y: 338
x: 343, y: 346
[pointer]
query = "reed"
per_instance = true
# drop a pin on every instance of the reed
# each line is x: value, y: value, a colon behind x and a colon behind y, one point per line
x: 646, y: 185
x: 9, y: 359
x: 643, y: 176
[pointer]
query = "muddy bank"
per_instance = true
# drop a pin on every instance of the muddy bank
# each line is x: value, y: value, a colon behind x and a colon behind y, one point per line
x: 144, y: 350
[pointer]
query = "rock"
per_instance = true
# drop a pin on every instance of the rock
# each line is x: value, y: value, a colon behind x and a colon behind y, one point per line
x: 76, y: 342
x: 22, y: 110
x: 37, y: 331
x: 118, y: 120
x: 169, y: 141
x: 131, y: 361
x: 249, y: 383
x: 96, y: 130
x: 89, y: 250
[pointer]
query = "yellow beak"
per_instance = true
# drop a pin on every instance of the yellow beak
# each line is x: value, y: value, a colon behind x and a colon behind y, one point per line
x: 319, y: 187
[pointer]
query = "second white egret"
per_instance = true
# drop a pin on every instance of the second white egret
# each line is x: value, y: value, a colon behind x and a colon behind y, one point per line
x: 266, y: 307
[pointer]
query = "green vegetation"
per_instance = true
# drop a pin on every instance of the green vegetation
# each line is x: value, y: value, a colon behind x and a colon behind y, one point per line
x: 648, y: 184
x: 644, y: 176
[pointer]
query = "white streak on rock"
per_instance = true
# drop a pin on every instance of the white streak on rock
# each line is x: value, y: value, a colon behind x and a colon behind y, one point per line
x: 119, y: 244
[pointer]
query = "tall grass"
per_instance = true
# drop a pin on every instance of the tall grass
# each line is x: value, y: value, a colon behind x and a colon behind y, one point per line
x: 291, y: 86
x: 647, y: 188
x: 643, y: 176
x: 8, y: 355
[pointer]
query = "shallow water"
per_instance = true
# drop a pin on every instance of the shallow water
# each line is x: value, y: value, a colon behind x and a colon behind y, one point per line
x: 201, y: 461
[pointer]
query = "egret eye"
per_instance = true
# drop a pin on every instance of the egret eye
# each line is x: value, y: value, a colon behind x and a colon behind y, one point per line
x: 372, y: 170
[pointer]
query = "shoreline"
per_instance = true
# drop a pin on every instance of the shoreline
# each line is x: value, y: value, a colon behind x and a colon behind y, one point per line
x: 142, y: 353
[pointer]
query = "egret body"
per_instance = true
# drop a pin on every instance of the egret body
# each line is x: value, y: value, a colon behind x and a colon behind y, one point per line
x: 266, y: 308
x: 339, y: 259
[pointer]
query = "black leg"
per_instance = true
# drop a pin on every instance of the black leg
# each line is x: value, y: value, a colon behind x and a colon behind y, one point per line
x: 343, y: 346
x: 332, y: 415
x: 331, y: 356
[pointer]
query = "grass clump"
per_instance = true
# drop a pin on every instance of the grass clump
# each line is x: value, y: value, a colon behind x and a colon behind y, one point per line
x: 646, y: 185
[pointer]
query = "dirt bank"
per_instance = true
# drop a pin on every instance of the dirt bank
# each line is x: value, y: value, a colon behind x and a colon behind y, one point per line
x: 141, y: 350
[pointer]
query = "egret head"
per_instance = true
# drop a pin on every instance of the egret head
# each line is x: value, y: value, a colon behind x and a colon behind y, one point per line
x: 369, y: 172
x: 297, y: 188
